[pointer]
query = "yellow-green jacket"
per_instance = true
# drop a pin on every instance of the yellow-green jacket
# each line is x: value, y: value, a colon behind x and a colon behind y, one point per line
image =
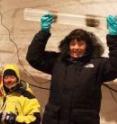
x: 21, y: 102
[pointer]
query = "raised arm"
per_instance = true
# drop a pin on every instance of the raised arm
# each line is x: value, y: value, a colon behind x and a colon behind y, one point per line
x: 110, y: 66
x: 36, y: 55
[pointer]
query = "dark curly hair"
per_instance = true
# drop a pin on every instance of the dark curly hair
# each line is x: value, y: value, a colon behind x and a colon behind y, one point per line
x: 94, y: 48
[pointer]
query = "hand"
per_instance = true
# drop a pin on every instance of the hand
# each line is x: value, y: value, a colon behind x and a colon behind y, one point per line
x: 10, y: 118
x: 46, y: 21
x: 112, y: 24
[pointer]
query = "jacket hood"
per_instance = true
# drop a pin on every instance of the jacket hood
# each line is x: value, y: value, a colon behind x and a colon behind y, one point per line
x: 12, y: 67
x: 94, y: 45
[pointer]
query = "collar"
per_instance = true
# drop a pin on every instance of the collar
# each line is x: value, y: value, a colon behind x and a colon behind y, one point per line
x: 83, y: 59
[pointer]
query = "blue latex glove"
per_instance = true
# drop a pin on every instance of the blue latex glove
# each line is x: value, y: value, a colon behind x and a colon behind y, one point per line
x: 46, y: 22
x: 112, y: 24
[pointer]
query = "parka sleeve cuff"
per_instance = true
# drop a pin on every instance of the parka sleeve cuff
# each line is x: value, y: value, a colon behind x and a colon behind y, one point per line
x: 111, y: 40
x: 44, y: 34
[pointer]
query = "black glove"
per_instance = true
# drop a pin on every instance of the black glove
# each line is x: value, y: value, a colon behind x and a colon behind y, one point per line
x: 10, y: 118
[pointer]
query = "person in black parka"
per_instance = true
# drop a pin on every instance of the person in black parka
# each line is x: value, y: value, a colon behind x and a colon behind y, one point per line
x: 78, y: 71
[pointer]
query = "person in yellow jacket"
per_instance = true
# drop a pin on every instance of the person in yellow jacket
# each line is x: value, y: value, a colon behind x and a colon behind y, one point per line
x: 1, y: 90
x: 18, y: 105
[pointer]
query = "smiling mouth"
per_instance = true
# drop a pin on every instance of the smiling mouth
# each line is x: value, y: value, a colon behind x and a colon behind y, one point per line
x: 76, y: 54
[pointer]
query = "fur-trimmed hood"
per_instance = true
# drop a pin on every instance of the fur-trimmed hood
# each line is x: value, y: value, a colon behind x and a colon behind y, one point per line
x: 94, y: 46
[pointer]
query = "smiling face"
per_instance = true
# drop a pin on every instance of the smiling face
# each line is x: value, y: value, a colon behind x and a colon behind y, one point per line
x: 77, y: 48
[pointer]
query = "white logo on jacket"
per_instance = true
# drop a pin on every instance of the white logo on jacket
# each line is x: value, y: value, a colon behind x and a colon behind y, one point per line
x: 89, y: 65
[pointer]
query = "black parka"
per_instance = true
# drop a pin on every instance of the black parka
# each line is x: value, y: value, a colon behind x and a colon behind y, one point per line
x: 75, y: 94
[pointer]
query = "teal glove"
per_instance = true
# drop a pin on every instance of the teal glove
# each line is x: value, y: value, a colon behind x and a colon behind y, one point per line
x: 112, y: 24
x: 46, y: 22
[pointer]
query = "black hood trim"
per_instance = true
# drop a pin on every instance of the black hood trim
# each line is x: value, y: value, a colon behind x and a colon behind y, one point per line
x: 94, y: 46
